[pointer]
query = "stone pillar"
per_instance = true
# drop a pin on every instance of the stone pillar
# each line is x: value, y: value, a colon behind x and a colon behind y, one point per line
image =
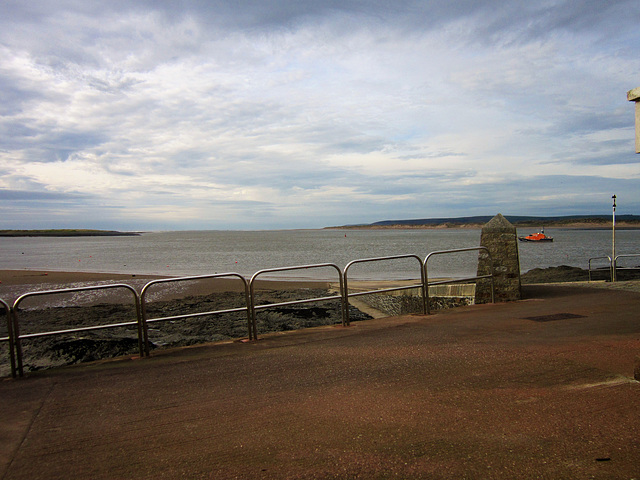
x: 499, y: 236
x: 634, y: 96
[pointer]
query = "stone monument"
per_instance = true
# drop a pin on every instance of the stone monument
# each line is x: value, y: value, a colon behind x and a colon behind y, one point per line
x: 499, y: 236
x: 634, y: 96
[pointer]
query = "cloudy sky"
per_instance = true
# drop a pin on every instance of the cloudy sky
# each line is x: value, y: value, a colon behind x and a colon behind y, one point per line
x: 254, y: 114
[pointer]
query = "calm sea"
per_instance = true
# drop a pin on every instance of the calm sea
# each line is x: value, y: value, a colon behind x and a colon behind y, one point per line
x: 204, y: 252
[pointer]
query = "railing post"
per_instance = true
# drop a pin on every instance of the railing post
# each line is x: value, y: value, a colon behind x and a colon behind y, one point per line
x: 143, y: 322
x: 10, y: 337
x: 253, y: 328
x: 425, y: 290
x: 16, y: 340
x: 612, y: 270
x: 141, y: 328
x: 343, y: 300
x: 346, y: 321
x: 426, y: 284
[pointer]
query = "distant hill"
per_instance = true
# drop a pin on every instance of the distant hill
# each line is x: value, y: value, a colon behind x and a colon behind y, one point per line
x: 517, y: 220
x: 65, y: 233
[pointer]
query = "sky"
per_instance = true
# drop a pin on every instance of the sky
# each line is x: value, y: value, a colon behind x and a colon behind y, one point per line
x: 270, y: 114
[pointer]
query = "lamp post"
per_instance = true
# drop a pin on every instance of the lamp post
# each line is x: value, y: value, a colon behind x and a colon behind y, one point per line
x: 613, y: 252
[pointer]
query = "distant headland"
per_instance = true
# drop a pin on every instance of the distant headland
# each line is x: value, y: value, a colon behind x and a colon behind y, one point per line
x: 572, y: 221
x: 66, y: 233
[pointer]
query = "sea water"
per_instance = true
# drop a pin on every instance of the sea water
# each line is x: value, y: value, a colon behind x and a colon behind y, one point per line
x: 185, y: 253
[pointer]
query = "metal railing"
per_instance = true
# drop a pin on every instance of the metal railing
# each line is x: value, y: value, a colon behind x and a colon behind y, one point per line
x: 294, y: 302
x: 615, y: 267
x: 16, y: 329
x: 458, y: 280
x: 13, y: 324
x: 346, y: 293
x: 613, y: 264
x: 601, y: 258
x: 145, y: 290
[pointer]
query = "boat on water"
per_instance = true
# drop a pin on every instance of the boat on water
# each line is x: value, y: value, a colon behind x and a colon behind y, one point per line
x: 536, y: 237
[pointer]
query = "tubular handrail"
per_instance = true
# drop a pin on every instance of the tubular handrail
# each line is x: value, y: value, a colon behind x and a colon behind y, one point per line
x: 615, y: 262
x: 9, y: 338
x: 255, y: 307
x: 458, y: 280
x: 601, y: 258
x: 626, y: 256
x: 346, y: 293
x: 14, y: 338
x: 16, y: 323
x: 145, y: 289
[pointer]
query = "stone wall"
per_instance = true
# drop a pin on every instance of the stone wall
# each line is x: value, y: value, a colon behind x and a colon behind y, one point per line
x: 394, y: 305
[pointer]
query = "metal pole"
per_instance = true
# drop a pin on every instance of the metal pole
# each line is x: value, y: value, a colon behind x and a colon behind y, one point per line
x: 613, y: 229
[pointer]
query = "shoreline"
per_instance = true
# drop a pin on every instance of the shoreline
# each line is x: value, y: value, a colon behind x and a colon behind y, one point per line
x: 73, y: 232
x: 30, y: 277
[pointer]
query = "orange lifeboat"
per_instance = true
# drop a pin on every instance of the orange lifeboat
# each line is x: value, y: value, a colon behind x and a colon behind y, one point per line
x: 536, y: 237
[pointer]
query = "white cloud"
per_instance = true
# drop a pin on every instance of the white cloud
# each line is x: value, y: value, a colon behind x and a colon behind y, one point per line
x: 269, y: 113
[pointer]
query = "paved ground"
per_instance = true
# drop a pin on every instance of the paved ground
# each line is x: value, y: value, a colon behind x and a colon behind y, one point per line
x: 541, y: 388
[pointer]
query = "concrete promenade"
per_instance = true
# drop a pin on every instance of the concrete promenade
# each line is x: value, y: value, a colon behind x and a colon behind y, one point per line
x: 539, y: 388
